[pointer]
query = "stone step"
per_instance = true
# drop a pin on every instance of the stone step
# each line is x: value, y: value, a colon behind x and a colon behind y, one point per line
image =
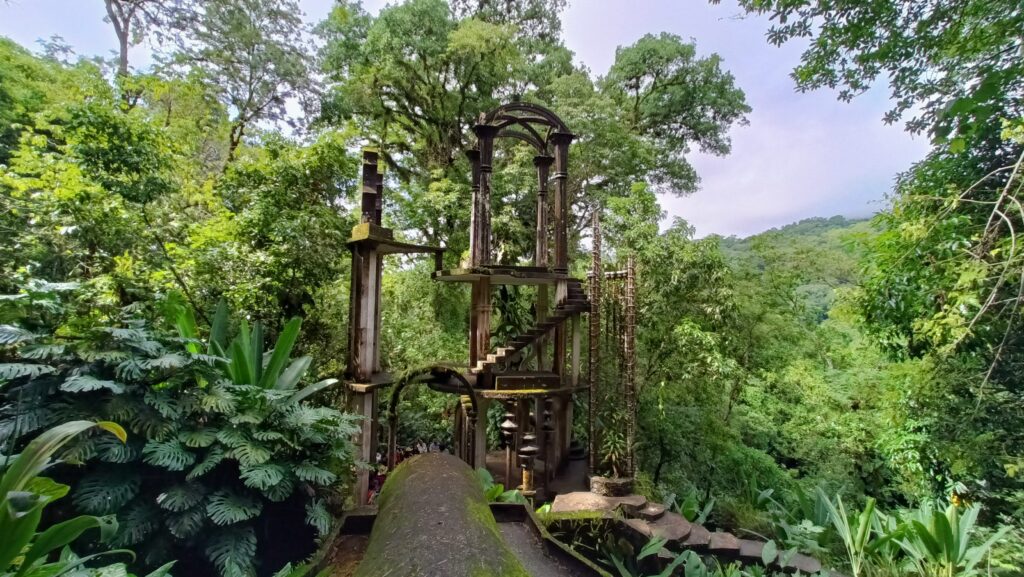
x: 724, y: 544
x: 698, y: 539
x: 586, y: 501
x: 799, y: 562
x: 750, y: 551
x: 652, y: 512
x: 672, y: 527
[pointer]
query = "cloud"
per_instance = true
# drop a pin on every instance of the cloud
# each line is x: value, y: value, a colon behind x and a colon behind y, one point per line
x: 802, y: 155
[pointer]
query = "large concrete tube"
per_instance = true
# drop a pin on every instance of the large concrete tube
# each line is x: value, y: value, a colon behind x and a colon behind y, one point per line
x: 433, y: 521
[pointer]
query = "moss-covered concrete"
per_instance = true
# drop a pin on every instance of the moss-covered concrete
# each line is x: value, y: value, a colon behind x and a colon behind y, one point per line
x: 433, y: 522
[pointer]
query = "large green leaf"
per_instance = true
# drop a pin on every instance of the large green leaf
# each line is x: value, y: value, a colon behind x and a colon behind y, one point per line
x: 219, y: 330
x: 282, y: 352
x: 18, y: 525
x: 291, y: 376
x: 57, y: 536
x: 311, y: 390
x: 34, y: 458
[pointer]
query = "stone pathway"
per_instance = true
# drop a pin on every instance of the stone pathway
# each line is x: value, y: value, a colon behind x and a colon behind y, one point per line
x: 648, y: 520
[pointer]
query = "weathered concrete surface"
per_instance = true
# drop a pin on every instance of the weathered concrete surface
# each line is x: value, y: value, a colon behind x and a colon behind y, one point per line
x: 587, y: 501
x: 434, y: 522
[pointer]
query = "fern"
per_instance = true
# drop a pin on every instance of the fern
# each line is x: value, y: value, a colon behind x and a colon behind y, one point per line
x: 233, y: 552
x: 106, y: 490
x: 181, y: 497
x: 170, y: 455
x: 318, y: 517
x: 11, y: 371
x: 262, y: 477
x: 212, y: 459
x: 88, y: 383
x: 312, y: 474
x: 227, y: 508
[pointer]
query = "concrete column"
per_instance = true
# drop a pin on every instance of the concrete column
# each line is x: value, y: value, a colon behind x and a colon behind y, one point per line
x: 365, y: 405
x: 480, y: 434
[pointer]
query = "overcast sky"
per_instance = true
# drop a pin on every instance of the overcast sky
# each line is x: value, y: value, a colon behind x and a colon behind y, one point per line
x: 802, y: 155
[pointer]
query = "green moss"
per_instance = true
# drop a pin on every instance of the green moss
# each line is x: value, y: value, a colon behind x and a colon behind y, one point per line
x: 434, y: 520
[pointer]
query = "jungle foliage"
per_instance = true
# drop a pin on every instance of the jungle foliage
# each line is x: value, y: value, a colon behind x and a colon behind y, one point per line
x: 874, y: 362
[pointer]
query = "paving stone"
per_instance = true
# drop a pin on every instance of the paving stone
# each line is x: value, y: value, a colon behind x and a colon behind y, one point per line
x: 580, y: 501
x: 630, y: 504
x: 640, y: 527
x: 672, y: 527
x: 587, y: 501
x: 800, y: 562
x: 698, y: 539
x: 652, y: 511
x: 750, y: 551
x: 724, y: 544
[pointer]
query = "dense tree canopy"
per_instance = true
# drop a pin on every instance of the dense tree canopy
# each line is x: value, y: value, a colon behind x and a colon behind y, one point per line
x: 165, y: 232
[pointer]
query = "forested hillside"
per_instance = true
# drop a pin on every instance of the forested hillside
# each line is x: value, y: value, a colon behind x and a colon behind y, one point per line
x: 173, y: 265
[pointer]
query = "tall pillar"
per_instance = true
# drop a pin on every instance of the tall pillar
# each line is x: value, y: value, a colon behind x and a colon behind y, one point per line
x: 365, y: 405
x: 543, y: 164
x: 364, y: 323
x: 480, y: 434
x: 596, y: 275
x: 370, y: 188
x: 475, y: 209
x: 629, y: 353
x: 561, y: 141
x: 481, y: 250
x: 480, y: 321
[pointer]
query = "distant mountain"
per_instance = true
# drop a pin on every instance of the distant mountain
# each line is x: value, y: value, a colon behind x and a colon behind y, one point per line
x: 806, y: 229
x: 822, y: 251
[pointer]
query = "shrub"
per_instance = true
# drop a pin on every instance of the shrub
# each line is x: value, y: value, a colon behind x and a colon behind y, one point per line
x: 224, y: 441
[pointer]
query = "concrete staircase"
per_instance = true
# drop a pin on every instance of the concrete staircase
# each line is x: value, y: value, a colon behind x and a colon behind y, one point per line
x: 574, y: 303
x: 642, y: 521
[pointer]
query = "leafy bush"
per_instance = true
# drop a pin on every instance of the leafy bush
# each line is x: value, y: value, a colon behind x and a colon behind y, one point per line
x: 495, y: 492
x: 223, y: 444
x: 25, y: 551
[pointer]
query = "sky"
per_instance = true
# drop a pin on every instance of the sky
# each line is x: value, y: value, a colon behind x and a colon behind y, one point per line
x: 801, y: 155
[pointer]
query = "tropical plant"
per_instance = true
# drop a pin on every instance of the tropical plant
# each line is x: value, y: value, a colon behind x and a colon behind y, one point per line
x: 690, y: 507
x: 628, y: 566
x: 25, y: 551
x: 495, y: 492
x: 856, y: 537
x: 939, y: 543
x: 212, y: 463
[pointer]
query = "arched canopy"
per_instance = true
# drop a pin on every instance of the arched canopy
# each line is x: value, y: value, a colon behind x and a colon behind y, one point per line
x: 530, y: 123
